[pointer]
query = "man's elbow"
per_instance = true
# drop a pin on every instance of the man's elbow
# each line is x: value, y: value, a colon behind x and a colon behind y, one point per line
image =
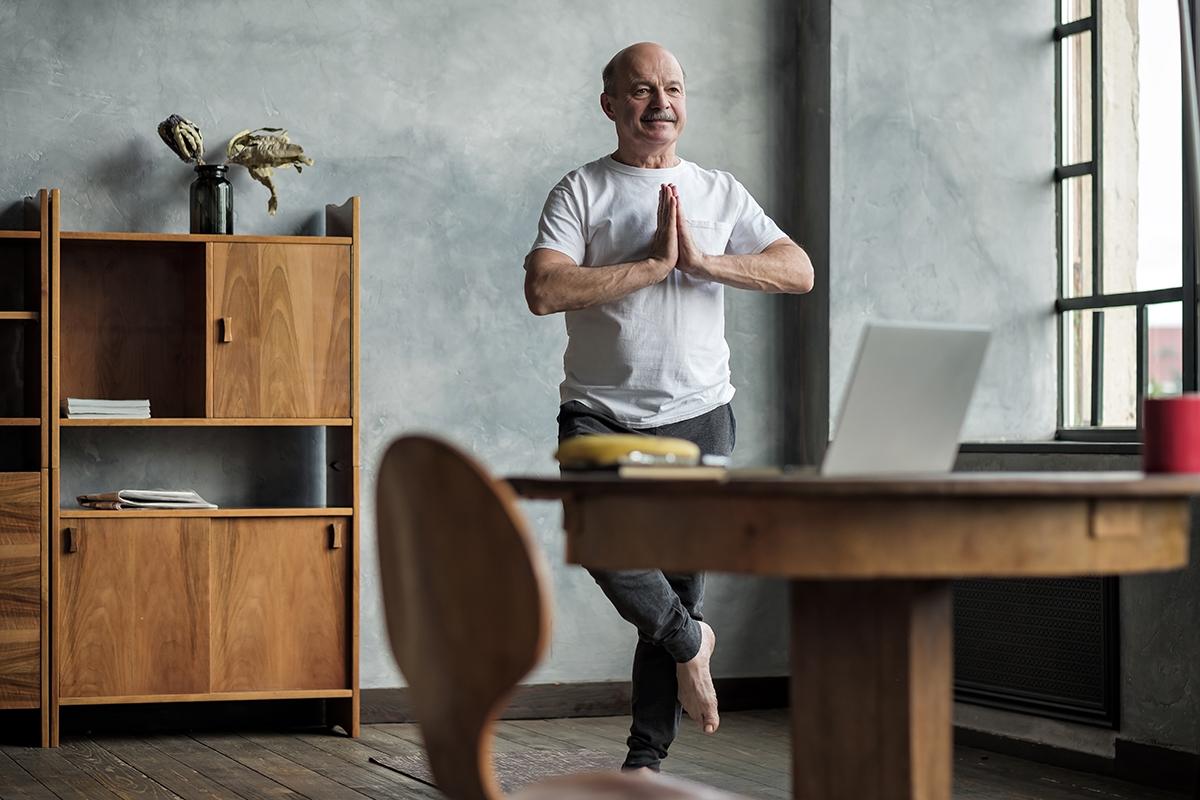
x: 537, y: 301
x: 541, y: 308
x: 805, y: 277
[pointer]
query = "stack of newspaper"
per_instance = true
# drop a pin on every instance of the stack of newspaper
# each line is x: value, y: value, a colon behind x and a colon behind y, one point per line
x: 143, y: 498
x: 77, y: 408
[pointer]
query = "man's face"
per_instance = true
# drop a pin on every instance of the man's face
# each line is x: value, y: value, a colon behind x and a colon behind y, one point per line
x: 649, y: 106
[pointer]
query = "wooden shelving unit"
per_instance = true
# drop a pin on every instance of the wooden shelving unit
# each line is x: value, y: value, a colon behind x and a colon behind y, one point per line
x: 24, y: 471
x: 249, y: 603
x: 201, y: 422
x: 150, y: 513
x: 315, y: 694
x: 201, y: 238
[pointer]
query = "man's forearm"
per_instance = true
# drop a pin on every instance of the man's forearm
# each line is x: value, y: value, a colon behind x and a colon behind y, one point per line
x: 568, y: 287
x: 779, y: 268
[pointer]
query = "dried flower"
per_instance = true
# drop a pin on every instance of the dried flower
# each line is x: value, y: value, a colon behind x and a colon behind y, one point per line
x: 183, y: 137
x: 262, y: 149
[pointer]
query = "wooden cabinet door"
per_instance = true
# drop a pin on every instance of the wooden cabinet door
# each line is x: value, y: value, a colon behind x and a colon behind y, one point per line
x: 280, y: 607
x: 20, y: 590
x: 281, y: 328
x: 133, y: 607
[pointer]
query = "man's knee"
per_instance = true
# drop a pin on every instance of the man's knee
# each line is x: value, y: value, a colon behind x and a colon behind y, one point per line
x: 645, y: 599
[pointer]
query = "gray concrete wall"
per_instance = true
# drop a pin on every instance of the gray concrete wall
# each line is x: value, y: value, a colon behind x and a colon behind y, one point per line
x: 452, y: 121
x: 942, y: 205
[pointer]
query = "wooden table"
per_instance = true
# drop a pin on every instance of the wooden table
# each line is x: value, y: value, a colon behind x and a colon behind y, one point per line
x: 871, y: 563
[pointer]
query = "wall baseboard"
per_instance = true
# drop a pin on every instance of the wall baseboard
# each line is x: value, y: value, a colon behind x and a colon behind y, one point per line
x: 1152, y: 765
x: 1144, y: 764
x: 598, y: 699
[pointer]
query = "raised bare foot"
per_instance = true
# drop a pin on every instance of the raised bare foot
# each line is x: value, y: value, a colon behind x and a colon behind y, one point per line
x: 696, y: 692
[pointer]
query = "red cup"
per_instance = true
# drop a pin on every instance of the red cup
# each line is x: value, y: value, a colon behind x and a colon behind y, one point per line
x: 1171, y: 434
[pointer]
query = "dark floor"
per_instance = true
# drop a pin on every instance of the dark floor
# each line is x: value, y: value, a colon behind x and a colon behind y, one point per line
x: 750, y: 756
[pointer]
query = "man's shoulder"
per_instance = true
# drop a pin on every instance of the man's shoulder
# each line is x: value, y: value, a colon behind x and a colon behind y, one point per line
x: 585, y: 172
x: 715, y: 177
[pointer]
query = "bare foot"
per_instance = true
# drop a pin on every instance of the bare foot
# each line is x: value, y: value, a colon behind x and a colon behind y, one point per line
x: 696, y: 692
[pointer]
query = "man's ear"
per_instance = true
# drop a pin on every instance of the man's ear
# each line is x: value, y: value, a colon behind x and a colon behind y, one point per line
x: 607, y: 107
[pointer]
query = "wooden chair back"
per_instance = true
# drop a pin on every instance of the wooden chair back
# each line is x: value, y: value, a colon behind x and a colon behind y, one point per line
x: 465, y: 599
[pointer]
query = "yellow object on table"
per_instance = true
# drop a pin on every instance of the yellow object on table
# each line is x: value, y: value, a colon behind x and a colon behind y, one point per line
x: 605, y: 450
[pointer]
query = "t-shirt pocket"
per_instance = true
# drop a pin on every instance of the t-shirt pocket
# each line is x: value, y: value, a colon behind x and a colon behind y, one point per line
x: 711, y: 237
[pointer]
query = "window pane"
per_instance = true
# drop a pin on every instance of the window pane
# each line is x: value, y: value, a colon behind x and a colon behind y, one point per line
x: 1119, y: 406
x: 1077, y: 369
x: 1142, y: 192
x: 1075, y: 9
x: 1164, y: 349
x: 1076, y: 124
x: 1077, y: 236
x: 1157, y: 206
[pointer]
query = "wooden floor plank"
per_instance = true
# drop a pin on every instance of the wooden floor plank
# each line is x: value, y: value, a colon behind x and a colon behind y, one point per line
x: 282, y: 770
x: 17, y: 784
x: 114, y: 774
x: 736, y: 738
x: 581, y: 734
x: 58, y: 774
x: 386, y: 742
x: 515, y: 738
x: 407, y: 732
x: 706, y: 764
x: 187, y: 782
x: 360, y: 751
x: 411, y: 733
x: 720, y: 751
x: 371, y: 780
x: 248, y: 783
x: 998, y: 773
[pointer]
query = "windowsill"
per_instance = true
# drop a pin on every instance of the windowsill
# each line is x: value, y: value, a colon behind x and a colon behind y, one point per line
x: 1054, y: 447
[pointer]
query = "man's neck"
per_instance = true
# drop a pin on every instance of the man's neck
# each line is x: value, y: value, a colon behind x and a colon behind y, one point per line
x: 660, y: 159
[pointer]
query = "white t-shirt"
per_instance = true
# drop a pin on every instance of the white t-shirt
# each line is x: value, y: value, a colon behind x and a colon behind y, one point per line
x: 658, y: 355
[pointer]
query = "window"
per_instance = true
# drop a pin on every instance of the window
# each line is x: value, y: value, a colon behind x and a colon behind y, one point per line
x: 1127, y: 302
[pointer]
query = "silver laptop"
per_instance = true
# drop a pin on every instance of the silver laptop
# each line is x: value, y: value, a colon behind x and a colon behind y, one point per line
x: 908, y: 396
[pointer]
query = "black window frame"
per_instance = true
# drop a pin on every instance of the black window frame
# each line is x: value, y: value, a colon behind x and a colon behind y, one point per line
x: 1185, y: 293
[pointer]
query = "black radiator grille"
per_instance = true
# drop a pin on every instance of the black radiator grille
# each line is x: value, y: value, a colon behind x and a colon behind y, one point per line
x: 1046, y: 646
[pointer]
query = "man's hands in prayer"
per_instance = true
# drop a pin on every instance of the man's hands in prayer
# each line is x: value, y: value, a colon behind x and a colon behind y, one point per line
x: 691, y: 260
x: 664, y: 247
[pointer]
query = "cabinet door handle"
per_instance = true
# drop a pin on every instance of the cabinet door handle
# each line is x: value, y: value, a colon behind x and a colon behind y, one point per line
x: 71, y: 540
x: 335, y: 536
x: 226, y: 329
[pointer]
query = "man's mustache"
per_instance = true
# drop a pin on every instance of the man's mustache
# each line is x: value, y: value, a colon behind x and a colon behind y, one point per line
x: 659, y: 116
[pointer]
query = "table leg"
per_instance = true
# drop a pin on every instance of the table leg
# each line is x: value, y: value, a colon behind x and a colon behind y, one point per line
x: 871, y: 690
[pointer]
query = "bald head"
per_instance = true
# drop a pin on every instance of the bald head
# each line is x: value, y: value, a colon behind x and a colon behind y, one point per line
x: 617, y: 68
x: 644, y: 97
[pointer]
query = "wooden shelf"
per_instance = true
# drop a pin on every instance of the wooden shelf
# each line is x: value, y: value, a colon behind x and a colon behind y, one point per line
x: 220, y: 333
x: 199, y: 238
x: 295, y: 694
x: 28, y: 316
x: 141, y: 513
x: 20, y: 234
x: 30, y: 422
x: 204, y: 422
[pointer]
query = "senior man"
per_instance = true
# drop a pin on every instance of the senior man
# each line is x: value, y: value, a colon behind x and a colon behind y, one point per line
x: 636, y: 248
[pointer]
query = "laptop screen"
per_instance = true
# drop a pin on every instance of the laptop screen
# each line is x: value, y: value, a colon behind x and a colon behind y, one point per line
x: 907, y: 399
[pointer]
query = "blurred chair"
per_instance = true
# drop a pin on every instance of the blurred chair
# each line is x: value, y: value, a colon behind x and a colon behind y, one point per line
x: 468, y: 615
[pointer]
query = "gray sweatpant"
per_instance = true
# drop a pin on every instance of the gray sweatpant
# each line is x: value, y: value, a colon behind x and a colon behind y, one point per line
x: 664, y: 608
